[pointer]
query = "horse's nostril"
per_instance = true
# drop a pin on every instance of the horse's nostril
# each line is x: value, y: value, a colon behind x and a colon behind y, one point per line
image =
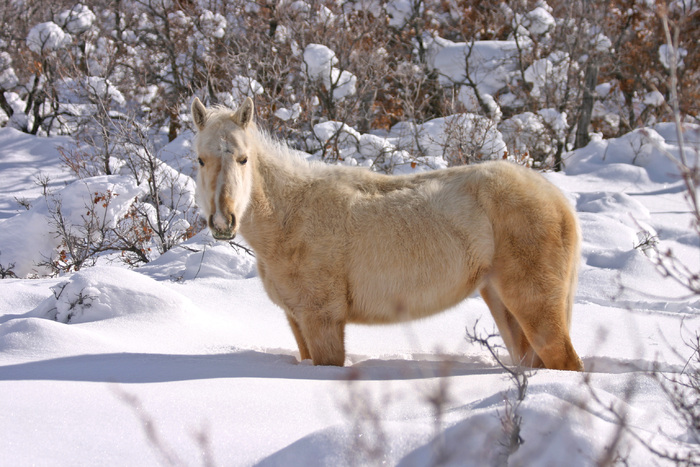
x: 222, y: 222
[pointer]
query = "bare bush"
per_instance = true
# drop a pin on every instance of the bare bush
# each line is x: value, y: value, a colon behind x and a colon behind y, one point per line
x: 161, y: 217
x: 511, y: 420
x: 6, y: 271
x: 370, y: 442
x: 162, y: 448
x: 682, y: 389
x: 687, y: 163
x: 79, y: 243
x: 683, y: 392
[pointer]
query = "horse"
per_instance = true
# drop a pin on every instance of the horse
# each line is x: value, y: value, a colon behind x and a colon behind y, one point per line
x: 337, y: 245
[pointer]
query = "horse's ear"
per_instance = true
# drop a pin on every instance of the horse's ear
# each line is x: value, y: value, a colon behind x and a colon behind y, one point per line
x: 199, y: 114
x: 244, y: 114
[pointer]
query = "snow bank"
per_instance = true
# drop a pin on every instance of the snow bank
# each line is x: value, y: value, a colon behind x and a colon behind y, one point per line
x: 643, y: 147
x: 100, y: 292
x: 36, y: 337
x: 202, y: 257
x: 24, y: 159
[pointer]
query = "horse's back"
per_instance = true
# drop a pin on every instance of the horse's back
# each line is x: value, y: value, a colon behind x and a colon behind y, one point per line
x: 417, y: 249
x: 432, y: 241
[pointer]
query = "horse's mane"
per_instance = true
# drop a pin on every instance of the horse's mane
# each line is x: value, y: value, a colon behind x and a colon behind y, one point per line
x: 290, y: 158
x: 271, y: 148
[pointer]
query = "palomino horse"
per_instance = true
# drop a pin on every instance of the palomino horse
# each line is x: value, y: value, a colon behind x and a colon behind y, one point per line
x: 337, y: 245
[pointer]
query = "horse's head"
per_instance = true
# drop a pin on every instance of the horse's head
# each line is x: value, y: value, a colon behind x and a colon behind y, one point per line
x: 224, y: 179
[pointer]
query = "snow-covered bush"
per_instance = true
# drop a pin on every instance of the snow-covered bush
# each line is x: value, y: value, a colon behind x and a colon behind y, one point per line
x: 445, y: 83
x: 461, y: 139
x: 77, y: 20
x: 320, y: 62
x: 46, y: 37
x: 394, y: 86
x: 345, y: 64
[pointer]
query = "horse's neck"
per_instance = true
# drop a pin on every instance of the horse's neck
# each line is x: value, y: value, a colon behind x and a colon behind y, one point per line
x: 274, y: 185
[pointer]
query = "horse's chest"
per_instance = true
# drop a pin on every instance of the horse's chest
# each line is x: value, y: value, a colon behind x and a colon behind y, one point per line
x: 301, y: 277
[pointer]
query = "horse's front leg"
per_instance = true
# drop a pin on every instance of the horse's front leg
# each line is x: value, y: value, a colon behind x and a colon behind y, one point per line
x: 324, y: 336
x: 304, y: 353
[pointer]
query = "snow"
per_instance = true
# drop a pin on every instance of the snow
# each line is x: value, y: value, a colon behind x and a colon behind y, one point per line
x: 327, y: 130
x: 467, y: 96
x: 538, y: 21
x: 77, y: 92
x: 190, y: 345
x: 319, y: 59
x: 642, y: 147
x: 481, y: 134
x: 8, y: 78
x: 243, y: 87
x: 26, y: 158
x: 46, y: 37
x: 601, y: 42
x: 39, y: 240
x: 185, y: 360
x: 539, y: 74
x: 76, y: 20
x: 554, y: 119
x: 666, y: 55
x: 524, y: 132
x: 490, y: 63
x: 654, y: 98
x: 400, y: 11
x: 289, y: 114
x: 320, y: 65
x: 212, y: 24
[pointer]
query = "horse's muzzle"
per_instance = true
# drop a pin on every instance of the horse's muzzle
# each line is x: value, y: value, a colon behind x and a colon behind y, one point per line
x: 226, y: 233
x: 223, y: 235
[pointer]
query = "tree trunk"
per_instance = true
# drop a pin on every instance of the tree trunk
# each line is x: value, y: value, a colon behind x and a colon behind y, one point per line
x: 174, y: 127
x: 589, y: 96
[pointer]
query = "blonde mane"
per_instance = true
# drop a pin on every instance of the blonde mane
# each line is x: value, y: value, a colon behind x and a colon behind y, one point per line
x: 270, y: 147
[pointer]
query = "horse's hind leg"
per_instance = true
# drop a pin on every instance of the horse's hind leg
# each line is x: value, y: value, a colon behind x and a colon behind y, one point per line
x: 540, y: 306
x: 519, y: 348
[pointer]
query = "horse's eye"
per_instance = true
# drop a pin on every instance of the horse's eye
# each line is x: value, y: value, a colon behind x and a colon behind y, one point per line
x: 201, y: 162
x: 243, y: 161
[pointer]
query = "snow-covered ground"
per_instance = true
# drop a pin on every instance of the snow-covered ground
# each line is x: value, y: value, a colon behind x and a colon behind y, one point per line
x: 185, y: 361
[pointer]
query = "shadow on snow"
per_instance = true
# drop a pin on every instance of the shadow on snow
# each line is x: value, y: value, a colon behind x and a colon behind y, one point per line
x: 157, y: 368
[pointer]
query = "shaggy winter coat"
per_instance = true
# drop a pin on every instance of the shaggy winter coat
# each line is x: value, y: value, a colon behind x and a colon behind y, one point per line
x: 338, y: 245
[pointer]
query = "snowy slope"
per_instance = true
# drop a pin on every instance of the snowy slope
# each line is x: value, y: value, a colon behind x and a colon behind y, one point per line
x: 185, y: 361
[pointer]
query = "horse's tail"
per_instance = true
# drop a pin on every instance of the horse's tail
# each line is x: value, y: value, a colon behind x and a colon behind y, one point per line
x: 573, y: 272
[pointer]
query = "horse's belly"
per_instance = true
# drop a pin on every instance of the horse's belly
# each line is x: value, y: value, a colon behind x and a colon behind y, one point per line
x: 388, y: 298
x: 423, y: 252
